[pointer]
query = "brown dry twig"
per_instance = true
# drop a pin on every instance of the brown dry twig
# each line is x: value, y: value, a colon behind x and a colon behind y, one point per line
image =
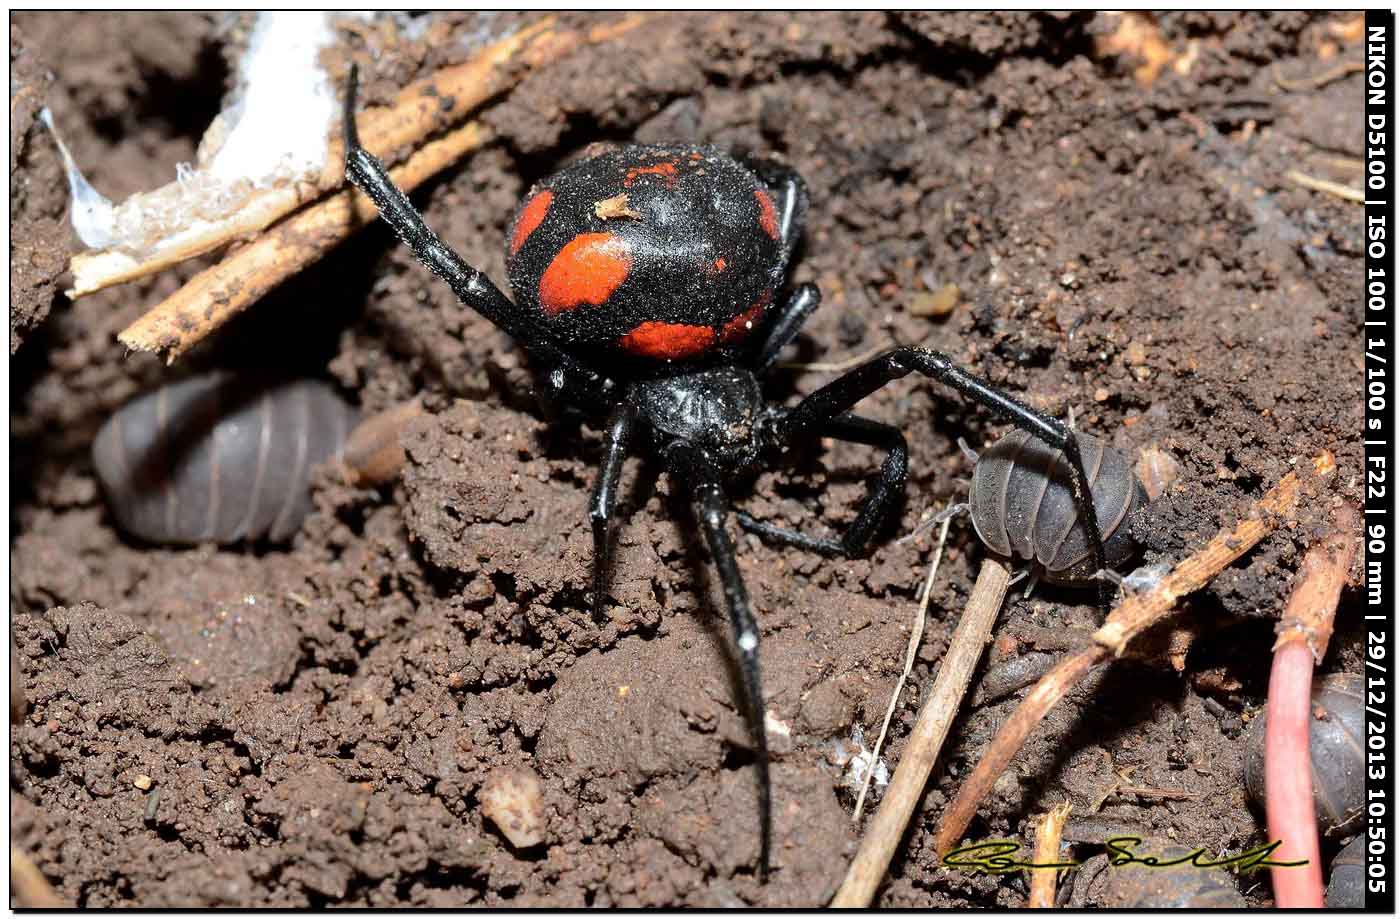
x: 1141, y: 611
x: 926, y: 741
x: 30, y: 888
x: 421, y: 109
x: 916, y: 635
x: 1312, y: 607
x: 1164, y: 794
x: 1120, y: 786
x: 1047, y: 851
x: 1037, y: 704
x: 1345, y: 192
x: 1348, y: 163
x: 1131, y: 617
x: 373, y: 453
x: 840, y: 366
x: 1317, y: 80
x: 217, y: 294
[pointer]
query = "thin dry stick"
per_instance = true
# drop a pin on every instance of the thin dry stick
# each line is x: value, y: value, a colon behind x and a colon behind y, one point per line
x: 935, y: 718
x: 1318, y: 80
x: 1141, y: 611
x: 421, y: 109
x: 1166, y: 794
x: 1047, y: 851
x: 916, y: 635
x: 1349, y: 163
x: 838, y: 366
x: 30, y: 888
x: 373, y: 454
x: 1313, y: 604
x: 214, y: 296
x: 443, y: 99
x: 1332, y: 188
x: 1049, y: 691
x: 217, y: 294
x: 1135, y: 614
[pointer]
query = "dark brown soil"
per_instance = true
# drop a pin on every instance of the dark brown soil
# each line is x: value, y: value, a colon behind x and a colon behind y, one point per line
x: 316, y: 722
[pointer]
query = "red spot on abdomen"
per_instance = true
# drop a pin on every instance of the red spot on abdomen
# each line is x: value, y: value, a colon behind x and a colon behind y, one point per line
x: 767, y: 216
x: 738, y: 328
x: 531, y: 216
x: 587, y: 270
x: 667, y: 341
x: 666, y: 170
x: 717, y: 266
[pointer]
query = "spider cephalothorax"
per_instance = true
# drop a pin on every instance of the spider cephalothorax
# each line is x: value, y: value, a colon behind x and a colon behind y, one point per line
x: 648, y: 283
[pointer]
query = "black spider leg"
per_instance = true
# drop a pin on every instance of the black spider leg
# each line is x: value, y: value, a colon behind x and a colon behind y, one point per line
x: 791, y: 193
x: 604, y: 500
x: 882, y: 493
x: 712, y: 510
x: 471, y: 286
x: 799, y: 306
x: 841, y: 394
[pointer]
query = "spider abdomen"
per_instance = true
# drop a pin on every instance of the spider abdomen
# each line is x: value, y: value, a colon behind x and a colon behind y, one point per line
x: 655, y: 253
x: 1023, y: 506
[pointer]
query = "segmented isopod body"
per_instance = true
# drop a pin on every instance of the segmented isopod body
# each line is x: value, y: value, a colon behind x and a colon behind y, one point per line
x: 1346, y: 887
x: 1336, y: 745
x: 218, y: 457
x: 1022, y: 502
x: 1135, y: 885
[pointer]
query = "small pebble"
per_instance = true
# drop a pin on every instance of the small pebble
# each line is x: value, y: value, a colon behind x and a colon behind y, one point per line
x: 1100, y: 395
x: 938, y: 302
x: 511, y: 798
x: 142, y: 782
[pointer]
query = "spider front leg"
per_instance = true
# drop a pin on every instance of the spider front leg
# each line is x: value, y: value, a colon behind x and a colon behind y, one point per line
x: 840, y: 395
x: 604, y: 500
x: 799, y: 307
x: 883, y: 493
x: 712, y: 512
x: 471, y: 286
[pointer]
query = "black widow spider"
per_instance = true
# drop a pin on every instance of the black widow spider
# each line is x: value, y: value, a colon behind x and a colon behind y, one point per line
x: 640, y: 273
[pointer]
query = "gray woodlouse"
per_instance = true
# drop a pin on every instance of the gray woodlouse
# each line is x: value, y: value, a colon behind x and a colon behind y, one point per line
x: 218, y: 457
x: 1336, y: 745
x: 1346, y: 887
x: 1135, y: 885
x: 1022, y: 505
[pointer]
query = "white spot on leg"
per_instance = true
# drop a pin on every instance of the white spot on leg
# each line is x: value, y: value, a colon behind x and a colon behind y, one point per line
x: 748, y: 641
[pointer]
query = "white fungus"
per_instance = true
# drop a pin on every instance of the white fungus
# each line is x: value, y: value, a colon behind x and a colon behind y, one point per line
x: 857, y: 760
x: 273, y: 132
